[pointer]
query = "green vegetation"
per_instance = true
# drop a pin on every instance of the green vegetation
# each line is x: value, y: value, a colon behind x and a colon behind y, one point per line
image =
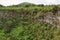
x: 20, y: 23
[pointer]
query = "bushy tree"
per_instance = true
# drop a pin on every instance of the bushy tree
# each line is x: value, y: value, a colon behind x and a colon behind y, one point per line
x: 1, y: 5
x: 55, y: 10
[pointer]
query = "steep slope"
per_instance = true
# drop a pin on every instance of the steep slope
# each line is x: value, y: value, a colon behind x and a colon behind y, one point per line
x: 35, y: 15
x: 22, y: 25
x: 30, y: 23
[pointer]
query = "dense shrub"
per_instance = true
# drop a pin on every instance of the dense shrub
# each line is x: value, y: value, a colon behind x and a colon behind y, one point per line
x: 1, y: 5
x: 55, y: 10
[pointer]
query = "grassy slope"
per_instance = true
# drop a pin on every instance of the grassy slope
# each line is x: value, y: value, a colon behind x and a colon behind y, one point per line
x: 25, y: 29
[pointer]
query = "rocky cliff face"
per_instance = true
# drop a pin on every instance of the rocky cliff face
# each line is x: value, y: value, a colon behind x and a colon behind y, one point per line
x: 51, y: 18
x: 12, y: 15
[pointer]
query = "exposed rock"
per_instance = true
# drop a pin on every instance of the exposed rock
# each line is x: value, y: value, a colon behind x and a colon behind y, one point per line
x: 48, y: 17
x: 51, y: 19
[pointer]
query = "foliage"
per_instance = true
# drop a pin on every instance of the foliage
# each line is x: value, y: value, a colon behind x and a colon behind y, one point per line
x: 18, y: 23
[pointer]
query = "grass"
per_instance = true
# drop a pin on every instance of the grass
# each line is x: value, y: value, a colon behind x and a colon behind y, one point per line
x: 21, y: 25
